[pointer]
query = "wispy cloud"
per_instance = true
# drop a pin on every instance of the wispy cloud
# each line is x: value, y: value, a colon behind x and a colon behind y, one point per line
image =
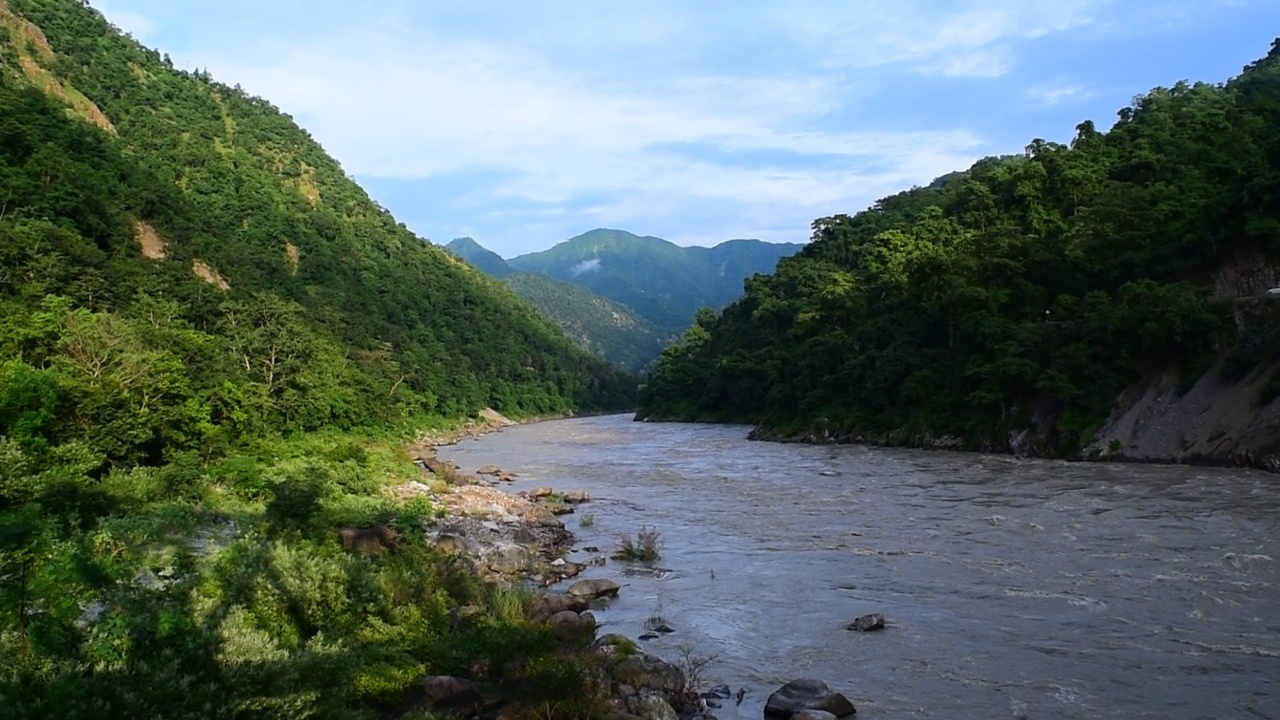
x: 525, y: 123
x: 416, y: 110
x: 1054, y: 94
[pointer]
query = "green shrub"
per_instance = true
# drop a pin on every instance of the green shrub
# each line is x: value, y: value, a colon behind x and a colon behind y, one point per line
x: 644, y: 546
x: 294, y: 503
x: 242, y: 475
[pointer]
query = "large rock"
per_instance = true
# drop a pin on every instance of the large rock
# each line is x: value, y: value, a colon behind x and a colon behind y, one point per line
x: 445, y: 694
x: 456, y: 544
x: 548, y: 605
x: 489, y: 470
x: 806, y: 694
x: 813, y: 715
x: 596, y: 588
x: 508, y: 558
x: 569, y: 625
x: 652, y: 707
x: 641, y: 670
x: 577, y: 497
x: 867, y: 623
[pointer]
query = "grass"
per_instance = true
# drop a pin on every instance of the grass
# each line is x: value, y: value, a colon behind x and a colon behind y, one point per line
x: 587, y: 520
x: 643, y: 547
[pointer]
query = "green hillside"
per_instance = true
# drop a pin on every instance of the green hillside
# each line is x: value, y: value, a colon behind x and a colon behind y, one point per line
x: 603, y: 328
x: 1024, y: 293
x: 213, y: 346
x: 663, y: 282
x: 486, y: 260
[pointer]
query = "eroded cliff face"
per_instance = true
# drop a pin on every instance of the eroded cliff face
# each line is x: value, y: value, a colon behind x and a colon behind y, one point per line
x: 1216, y: 422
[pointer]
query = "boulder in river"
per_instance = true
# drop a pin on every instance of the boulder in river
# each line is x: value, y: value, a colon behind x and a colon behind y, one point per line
x: 867, y: 623
x: 489, y: 470
x: 813, y: 715
x: 595, y: 588
x: 806, y: 694
x: 577, y: 497
x: 540, y: 492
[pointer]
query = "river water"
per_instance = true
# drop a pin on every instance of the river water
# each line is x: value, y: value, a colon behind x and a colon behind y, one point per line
x: 1012, y: 588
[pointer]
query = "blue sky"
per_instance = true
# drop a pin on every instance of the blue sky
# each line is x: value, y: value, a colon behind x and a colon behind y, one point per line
x: 522, y: 123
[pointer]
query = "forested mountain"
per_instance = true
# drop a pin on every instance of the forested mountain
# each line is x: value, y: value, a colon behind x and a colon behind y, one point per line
x: 608, y: 330
x: 488, y: 261
x: 1019, y: 298
x: 663, y: 282
x: 210, y: 342
x: 600, y: 326
x: 656, y: 286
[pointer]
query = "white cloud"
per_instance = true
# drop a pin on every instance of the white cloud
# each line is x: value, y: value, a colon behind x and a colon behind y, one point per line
x: 585, y: 266
x: 1054, y: 94
x: 974, y: 41
x: 431, y: 107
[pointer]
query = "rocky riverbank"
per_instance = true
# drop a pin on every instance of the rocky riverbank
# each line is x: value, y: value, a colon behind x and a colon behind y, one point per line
x: 519, y: 540
x: 1154, y: 421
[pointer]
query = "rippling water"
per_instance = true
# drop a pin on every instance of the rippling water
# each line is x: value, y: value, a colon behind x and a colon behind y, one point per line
x: 1012, y: 588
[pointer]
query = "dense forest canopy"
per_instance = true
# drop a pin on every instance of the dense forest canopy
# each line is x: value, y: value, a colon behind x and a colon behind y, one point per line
x: 1025, y: 288
x: 212, y: 343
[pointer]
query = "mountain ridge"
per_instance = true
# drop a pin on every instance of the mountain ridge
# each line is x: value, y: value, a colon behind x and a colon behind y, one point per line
x: 641, y: 320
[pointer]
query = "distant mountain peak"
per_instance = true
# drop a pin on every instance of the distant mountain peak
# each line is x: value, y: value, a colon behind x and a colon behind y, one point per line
x: 488, y: 261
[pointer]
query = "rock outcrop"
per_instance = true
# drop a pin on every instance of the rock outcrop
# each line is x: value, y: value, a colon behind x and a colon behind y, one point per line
x: 806, y: 694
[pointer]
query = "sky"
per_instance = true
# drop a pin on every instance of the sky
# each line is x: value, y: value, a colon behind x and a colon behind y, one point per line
x: 522, y: 124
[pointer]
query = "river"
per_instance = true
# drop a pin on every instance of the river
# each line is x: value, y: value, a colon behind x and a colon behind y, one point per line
x: 1012, y: 588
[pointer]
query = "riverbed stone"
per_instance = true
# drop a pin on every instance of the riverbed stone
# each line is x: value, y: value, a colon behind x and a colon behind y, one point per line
x: 813, y: 715
x: 540, y: 492
x: 806, y: 694
x: 508, y: 558
x: 577, y: 497
x: 489, y: 470
x: 595, y: 588
x: 548, y: 605
x: 652, y: 707
x: 867, y: 623
x: 642, y: 670
x: 451, y: 544
x: 447, y: 694
x: 568, y: 624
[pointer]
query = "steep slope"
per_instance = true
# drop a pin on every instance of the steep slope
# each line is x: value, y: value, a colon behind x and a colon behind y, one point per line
x: 236, y: 193
x: 662, y: 281
x: 486, y: 260
x: 602, y: 327
x: 213, y: 349
x: 1010, y: 306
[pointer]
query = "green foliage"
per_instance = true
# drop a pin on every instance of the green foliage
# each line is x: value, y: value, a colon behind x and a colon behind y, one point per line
x: 602, y: 327
x: 1031, y: 286
x: 644, y: 546
x: 178, y: 451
